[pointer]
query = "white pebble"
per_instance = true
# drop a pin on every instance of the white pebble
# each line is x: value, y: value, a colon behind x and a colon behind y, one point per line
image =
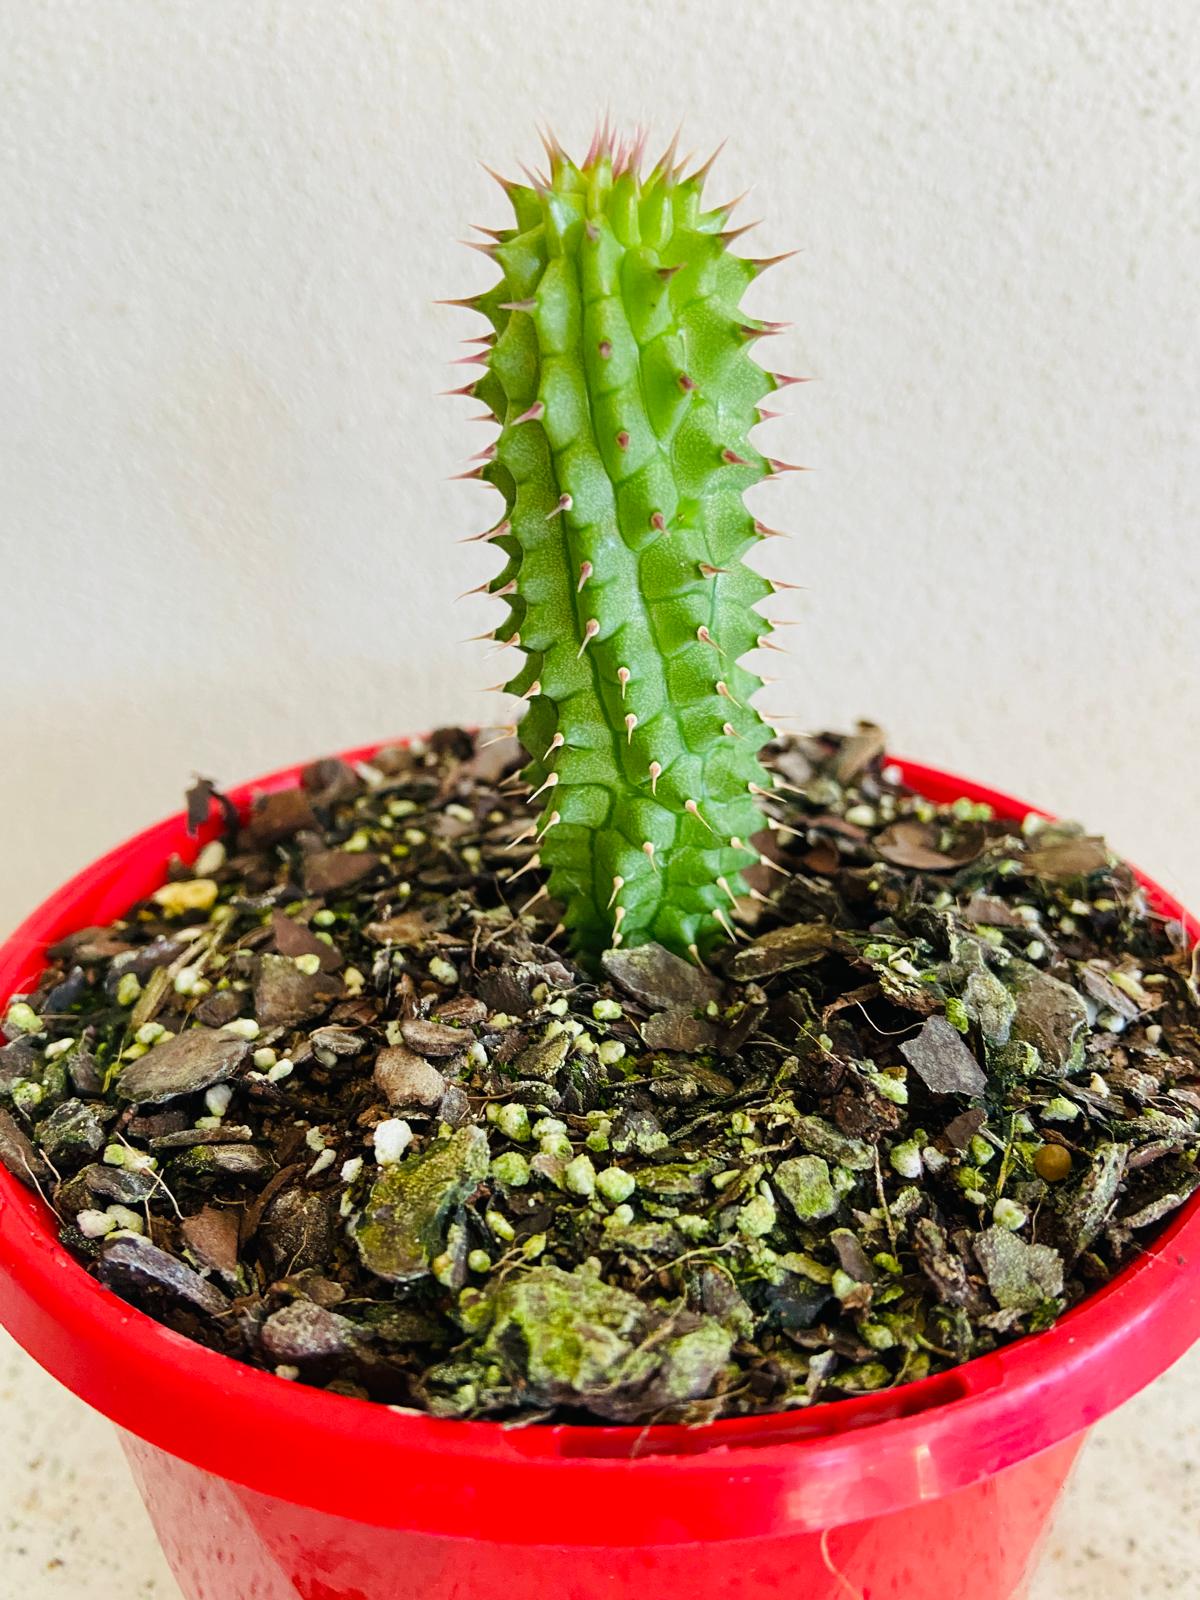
x: 323, y: 1162
x: 1008, y: 1214
x: 123, y: 1217
x: 392, y: 1139
x: 217, y: 1099
x: 211, y: 859
x: 351, y: 1169
x: 281, y: 1070
x: 862, y: 816
x: 95, y: 1224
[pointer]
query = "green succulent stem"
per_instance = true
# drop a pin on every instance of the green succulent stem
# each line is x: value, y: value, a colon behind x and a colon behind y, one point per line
x: 620, y: 371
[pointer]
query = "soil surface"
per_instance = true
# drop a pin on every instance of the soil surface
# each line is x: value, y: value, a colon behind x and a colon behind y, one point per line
x: 337, y: 1101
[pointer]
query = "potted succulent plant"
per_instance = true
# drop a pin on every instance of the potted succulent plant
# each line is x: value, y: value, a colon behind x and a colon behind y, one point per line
x: 674, y: 1155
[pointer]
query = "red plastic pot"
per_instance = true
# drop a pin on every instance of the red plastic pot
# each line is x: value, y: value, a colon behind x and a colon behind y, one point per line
x: 265, y: 1490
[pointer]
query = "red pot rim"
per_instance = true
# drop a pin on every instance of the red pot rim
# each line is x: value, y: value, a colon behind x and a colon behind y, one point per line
x: 744, y: 1477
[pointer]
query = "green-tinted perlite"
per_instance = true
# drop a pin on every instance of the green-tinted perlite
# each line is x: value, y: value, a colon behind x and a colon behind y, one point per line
x: 619, y: 369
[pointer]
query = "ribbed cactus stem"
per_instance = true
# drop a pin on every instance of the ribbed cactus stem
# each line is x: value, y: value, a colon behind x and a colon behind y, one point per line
x: 621, y: 375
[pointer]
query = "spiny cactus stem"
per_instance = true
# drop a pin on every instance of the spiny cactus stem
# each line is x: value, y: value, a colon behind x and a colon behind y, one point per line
x: 618, y: 371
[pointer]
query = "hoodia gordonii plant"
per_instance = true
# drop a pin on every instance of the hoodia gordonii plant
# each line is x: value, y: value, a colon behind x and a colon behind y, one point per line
x: 619, y: 368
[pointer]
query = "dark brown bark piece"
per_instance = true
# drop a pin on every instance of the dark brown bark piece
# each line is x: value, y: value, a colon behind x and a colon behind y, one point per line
x: 941, y: 1059
x: 276, y: 817
x: 333, y: 872
x: 190, y: 1062
x: 659, y: 979
x: 134, y: 1267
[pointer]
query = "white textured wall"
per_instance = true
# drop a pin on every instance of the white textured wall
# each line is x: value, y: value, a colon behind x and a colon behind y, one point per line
x: 226, y: 526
